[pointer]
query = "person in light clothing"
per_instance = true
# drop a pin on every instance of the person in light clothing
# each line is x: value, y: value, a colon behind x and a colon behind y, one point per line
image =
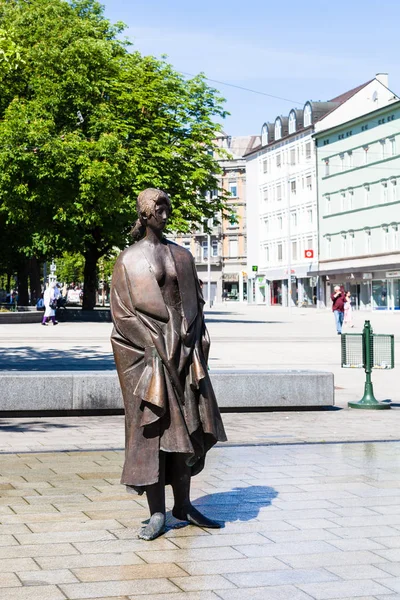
x: 348, y: 311
x: 50, y: 300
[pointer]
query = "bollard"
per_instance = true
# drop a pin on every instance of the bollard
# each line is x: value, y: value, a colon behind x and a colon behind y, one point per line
x: 368, y: 351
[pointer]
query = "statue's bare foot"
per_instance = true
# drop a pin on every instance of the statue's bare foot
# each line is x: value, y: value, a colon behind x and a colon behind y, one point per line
x: 191, y: 514
x: 154, y: 528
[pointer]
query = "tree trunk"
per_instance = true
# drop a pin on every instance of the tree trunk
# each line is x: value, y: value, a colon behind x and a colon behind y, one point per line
x: 90, y: 278
x: 22, y: 276
x: 34, y: 279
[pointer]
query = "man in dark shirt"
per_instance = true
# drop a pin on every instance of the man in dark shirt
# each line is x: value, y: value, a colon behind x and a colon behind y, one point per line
x: 338, y: 300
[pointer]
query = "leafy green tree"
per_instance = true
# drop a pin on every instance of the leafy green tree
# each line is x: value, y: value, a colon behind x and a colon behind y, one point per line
x: 86, y: 125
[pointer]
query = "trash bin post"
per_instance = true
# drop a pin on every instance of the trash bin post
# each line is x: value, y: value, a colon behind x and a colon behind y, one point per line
x: 368, y: 401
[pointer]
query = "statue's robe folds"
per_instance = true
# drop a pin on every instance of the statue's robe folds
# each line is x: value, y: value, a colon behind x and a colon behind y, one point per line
x: 161, y: 357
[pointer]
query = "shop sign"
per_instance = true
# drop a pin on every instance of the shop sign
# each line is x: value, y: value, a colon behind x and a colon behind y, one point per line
x: 392, y: 273
x: 367, y: 275
x: 309, y: 253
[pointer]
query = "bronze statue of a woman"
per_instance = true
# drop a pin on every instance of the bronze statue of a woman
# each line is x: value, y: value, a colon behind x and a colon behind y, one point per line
x: 161, y: 346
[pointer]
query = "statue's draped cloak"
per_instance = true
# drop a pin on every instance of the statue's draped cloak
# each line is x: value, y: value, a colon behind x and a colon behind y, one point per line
x: 161, y: 357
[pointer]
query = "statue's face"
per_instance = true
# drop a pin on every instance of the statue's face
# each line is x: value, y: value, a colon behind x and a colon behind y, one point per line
x: 158, y: 219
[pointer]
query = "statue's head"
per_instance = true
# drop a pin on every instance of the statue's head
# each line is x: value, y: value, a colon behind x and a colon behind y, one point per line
x: 154, y: 208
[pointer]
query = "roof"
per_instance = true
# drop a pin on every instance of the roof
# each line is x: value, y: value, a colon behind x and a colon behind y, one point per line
x: 319, y: 111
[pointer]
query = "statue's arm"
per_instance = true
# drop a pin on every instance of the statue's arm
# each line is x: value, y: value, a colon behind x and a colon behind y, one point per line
x: 126, y: 322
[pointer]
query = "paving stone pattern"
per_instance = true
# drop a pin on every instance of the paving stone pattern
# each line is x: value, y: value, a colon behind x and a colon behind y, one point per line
x: 301, y: 522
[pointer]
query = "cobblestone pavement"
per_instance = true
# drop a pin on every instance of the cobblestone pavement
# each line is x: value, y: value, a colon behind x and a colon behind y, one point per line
x: 309, y: 500
x: 301, y: 522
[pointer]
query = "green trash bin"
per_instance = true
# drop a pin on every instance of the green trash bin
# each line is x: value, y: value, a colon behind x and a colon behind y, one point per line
x: 368, y: 350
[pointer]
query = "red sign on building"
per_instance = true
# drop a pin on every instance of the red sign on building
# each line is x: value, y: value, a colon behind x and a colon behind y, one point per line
x: 309, y: 253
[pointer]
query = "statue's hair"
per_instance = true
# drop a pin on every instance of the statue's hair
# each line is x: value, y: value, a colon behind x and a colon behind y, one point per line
x: 145, y: 205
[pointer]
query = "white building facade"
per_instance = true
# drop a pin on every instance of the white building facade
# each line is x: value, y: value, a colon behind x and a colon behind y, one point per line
x: 282, y: 207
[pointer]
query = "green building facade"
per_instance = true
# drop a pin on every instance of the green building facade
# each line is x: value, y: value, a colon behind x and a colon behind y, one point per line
x: 358, y: 178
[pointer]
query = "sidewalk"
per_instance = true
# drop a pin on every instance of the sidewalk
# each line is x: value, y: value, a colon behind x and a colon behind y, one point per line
x: 301, y: 521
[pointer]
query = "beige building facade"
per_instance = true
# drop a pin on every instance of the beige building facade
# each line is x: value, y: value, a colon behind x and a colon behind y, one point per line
x: 221, y: 255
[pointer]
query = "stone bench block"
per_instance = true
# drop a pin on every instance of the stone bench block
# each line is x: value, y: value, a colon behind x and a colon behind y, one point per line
x: 25, y: 391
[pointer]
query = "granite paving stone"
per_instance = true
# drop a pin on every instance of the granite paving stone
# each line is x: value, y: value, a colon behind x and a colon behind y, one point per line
x: 202, y: 582
x: 46, y: 577
x: 78, y: 591
x: 345, y: 589
x: 320, y: 559
x: 392, y: 584
x: 284, y: 577
x: 122, y: 572
x: 285, y: 592
x: 39, y: 592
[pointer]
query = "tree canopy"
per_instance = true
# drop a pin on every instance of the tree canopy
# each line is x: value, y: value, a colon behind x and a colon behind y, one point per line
x: 86, y: 123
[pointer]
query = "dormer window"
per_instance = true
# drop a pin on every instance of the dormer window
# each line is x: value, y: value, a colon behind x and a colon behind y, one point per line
x: 264, y: 135
x: 307, y: 115
x: 292, y: 122
x: 278, y: 129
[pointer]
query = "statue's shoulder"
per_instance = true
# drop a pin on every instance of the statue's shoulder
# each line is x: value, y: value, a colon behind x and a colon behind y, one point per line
x: 132, y: 253
x: 180, y: 251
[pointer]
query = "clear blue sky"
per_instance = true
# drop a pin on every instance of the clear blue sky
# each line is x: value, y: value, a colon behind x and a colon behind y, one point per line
x: 298, y: 50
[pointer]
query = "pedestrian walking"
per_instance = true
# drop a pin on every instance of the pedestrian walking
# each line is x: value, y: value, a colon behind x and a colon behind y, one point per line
x: 338, y: 301
x: 50, y: 303
x: 348, y: 311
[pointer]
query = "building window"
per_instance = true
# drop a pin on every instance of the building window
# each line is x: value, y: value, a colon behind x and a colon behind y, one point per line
x: 278, y: 160
x: 350, y: 243
x: 393, y: 190
x: 307, y: 115
x: 309, y: 215
x: 292, y: 122
x: 383, y: 148
x: 350, y: 160
x: 328, y: 205
x: 328, y: 246
x: 204, y: 250
x: 214, y: 248
x: 293, y: 187
x: 233, y: 248
x: 385, y: 238
x: 278, y: 129
x: 293, y: 218
x: 366, y: 195
x: 310, y: 243
x: 265, y: 165
x: 326, y: 168
x: 392, y: 141
x: 280, y: 252
x: 366, y: 148
x: 233, y: 218
x: 280, y: 223
x: 279, y: 192
x: 368, y: 241
x: 344, y: 244
x: 342, y: 201
x: 341, y: 163
x: 265, y: 195
x: 308, y: 150
x: 266, y: 226
x: 294, y: 250
x: 293, y: 156
x: 384, y: 192
x: 350, y: 198
x: 233, y: 189
x: 267, y: 254
x: 309, y: 182
x: 395, y: 236
x: 264, y: 135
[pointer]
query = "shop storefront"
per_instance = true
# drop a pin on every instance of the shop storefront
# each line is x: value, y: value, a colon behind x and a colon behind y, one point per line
x: 379, y: 290
x: 234, y: 287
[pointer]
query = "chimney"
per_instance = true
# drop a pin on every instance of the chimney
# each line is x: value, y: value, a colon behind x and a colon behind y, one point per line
x: 383, y: 78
